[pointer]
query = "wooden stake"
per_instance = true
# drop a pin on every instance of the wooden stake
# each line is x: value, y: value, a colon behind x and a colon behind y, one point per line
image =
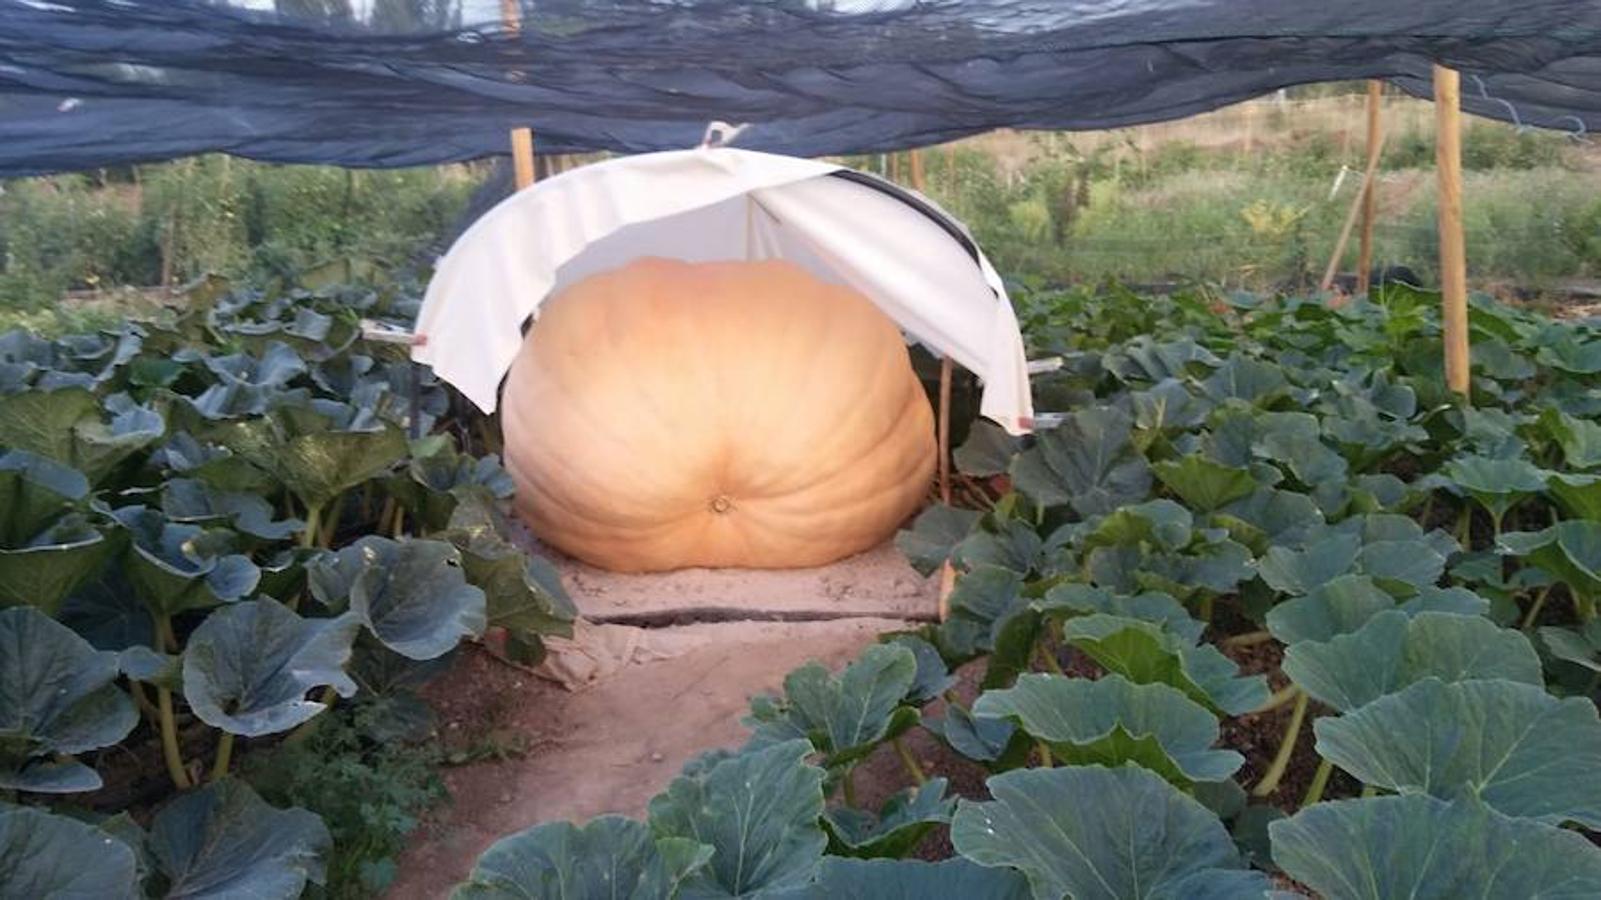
x: 1370, y: 191
x: 947, y: 575
x: 522, y: 139
x: 1453, y: 246
x: 1357, y: 203
x: 918, y: 183
x: 522, y: 156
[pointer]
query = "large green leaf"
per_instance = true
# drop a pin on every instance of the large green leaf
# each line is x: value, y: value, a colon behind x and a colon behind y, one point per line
x: 1571, y: 550
x: 432, y: 485
x: 1113, y: 721
x: 193, y: 501
x: 1088, y: 463
x: 1392, y: 651
x: 57, y: 696
x: 319, y: 454
x: 523, y: 592
x: 1144, y: 653
x: 1324, y: 559
x: 1270, y: 518
x: 34, y: 491
x: 44, y: 571
x: 1067, y: 600
x: 1162, y: 523
x: 48, y: 857
x: 1578, y: 493
x: 1580, y: 439
x: 1523, y: 751
x: 411, y: 593
x: 175, y: 567
x: 1243, y: 378
x: 759, y: 812
x: 1580, y: 646
x: 247, y: 668
x: 983, y: 601
x: 1347, y: 603
x: 1089, y: 833
x: 1497, y: 484
x: 934, y: 534
x: 43, y: 422
x: 843, y: 717
x: 895, y: 830
x: 223, y: 841
x: 1419, y: 847
x: 984, y: 740
x: 610, y: 857
x: 905, y: 879
x: 1203, y: 484
x: 987, y: 451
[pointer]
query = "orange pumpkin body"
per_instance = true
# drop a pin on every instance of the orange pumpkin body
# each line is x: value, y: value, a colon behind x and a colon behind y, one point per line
x: 670, y: 414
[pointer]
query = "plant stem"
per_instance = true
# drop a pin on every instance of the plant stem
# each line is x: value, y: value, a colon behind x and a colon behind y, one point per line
x: 1464, y: 526
x: 1320, y: 780
x: 1281, y: 762
x: 1248, y: 639
x: 1048, y: 658
x: 328, y: 698
x: 308, y: 538
x: 328, y: 524
x: 1045, y: 754
x: 219, y: 768
x: 1279, y: 698
x: 142, y: 699
x: 1534, y: 608
x: 1369, y: 790
x: 912, y: 768
x: 848, y: 787
x: 1205, y: 611
x: 169, y: 741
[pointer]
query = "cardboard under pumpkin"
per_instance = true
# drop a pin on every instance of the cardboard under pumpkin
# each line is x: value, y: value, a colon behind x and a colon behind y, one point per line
x: 669, y: 414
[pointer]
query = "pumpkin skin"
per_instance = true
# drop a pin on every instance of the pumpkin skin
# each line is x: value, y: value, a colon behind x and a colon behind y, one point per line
x: 732, y: 414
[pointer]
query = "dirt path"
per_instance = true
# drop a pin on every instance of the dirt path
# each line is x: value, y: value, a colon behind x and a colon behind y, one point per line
x: 610, y: 746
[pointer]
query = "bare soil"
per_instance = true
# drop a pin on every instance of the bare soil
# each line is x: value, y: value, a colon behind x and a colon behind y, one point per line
x: 646, y: 700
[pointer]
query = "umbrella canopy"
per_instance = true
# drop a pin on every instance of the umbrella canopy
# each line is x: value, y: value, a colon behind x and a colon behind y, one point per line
x: 910, y: 258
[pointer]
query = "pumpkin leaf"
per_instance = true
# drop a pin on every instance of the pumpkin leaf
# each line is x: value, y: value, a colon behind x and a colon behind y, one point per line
x: 222, y: 840
x: 899, y: 825
x: 34, y: 492
x: 1203, y: 484
x: 1087, y: 463
x: 1270, y: 518
x: 1496, y: 484
x: 981, y: 739
x: 934, y: 534
x: 933, y: 678
x: 988, y: 450
x: 50, y: 856
x: 1578, y: 646
x: 609, y: 857
x: 1347, y: 603
x: 1580, y: 439
x: 982, y: 602
x: 759, y: 812
x: 1516, y: 747
x: 1392, y: 651
x: 1088, y: 831
x: 105, y: 612
x: 57, y: 696
x: 1243, y: 378
x: 1145, y: 654
x: 1162, y: 523
x: 192, y: 501
x: 908, y: 879
x: 1112, y: 721
x: 1301, y: 571
x: 1417, y: 846
x: 843, y: 717
x: 523, y: 592
x: 175, y: 567
x: 44, y: 571
x: 247, y: 668
x: 412, y: 594
x: 1070, y: 599
x: 1578, y: 494
x: 1571, y: 550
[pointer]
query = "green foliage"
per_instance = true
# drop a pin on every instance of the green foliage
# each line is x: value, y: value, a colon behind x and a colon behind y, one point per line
x: 370, y: 793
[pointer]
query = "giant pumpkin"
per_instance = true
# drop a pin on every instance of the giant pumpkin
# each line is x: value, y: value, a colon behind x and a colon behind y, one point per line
x: 669, y: 414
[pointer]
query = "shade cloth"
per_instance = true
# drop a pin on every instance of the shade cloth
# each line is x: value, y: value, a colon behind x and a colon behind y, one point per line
x: 899, y: 249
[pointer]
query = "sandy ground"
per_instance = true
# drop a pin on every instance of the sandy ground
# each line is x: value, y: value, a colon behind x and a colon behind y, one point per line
x: 675, y: 691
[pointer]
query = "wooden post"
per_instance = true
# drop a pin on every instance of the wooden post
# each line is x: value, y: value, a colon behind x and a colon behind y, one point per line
x: 522, y: 139
x: 919, y: 183
x: 1370, y: 189
x: 947, y: 575
x: 1453, y: 246
x: 1357, y: 204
